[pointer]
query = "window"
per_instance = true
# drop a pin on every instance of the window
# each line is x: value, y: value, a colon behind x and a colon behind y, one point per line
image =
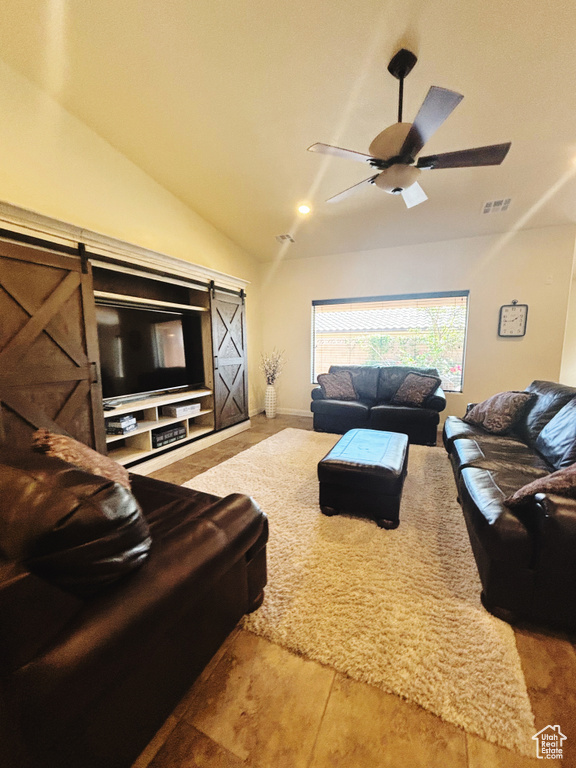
x: 426, y: 330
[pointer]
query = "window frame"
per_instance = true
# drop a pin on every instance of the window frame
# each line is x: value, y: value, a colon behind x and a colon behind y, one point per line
x: 392, y: 298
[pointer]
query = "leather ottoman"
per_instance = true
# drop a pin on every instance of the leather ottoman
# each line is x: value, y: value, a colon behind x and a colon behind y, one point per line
x: 364, y: 475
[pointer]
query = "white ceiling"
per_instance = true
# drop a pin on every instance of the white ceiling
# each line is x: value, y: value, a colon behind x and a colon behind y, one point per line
x: 218, y: 100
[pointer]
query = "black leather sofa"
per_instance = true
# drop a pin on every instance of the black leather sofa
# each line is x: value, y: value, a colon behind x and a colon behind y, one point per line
x: 93, y: 659
x: 376, y: 385
x: 526, y: 555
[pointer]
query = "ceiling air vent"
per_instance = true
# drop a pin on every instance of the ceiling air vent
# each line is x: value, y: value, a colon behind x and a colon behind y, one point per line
x: 496, y: 206
x: 284, y: 239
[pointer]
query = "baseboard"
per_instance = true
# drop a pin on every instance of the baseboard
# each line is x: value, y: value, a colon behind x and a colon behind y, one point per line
x: 283, y: 412
x: 159, y: 462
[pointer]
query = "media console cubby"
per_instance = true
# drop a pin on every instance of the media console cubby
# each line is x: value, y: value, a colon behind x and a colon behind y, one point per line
x: 113, y: 288
x: 137, y: 444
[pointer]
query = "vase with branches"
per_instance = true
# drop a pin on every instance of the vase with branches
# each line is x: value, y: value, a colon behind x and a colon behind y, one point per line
x: 271, y: 365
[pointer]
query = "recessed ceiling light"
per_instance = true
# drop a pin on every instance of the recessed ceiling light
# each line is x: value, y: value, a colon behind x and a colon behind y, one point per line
x: 304, y: 209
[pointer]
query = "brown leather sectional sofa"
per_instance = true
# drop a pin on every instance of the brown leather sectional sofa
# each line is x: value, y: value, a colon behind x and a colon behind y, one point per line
x: 526, y: 556
x: 108, y: 617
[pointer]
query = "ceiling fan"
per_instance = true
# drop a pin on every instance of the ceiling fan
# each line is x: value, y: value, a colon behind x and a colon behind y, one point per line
x: 393, y: 152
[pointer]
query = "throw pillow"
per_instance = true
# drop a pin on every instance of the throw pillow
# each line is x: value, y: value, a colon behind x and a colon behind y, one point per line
x: 74, y: 529
x: 337, y: 386
x: 364, y: 378
x: 562, y: 482
x: 550, y: 398
x: 70, y: 450
x: 499, y: 413
x: 557, y: 441
x: 415, y: 388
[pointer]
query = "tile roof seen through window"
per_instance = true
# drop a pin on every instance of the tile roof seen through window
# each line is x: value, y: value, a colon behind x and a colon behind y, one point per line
x: 392, y: 319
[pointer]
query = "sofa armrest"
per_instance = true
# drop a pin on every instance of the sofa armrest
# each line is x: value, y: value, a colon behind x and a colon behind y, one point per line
x: 317, y: 394
x: 551, y: 520
x: 436, y: 401
x: 556, y: 516
x: 555, y: 564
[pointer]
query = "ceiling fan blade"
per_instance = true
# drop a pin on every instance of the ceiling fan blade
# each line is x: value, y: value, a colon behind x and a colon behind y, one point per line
x: 491, y: 155
x: 350, y: 154
x: 351, y: 190
x: 414, y: 195
x: 436, y: 107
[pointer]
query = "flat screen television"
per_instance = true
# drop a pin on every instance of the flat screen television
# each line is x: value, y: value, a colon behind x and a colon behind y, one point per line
x: 144, y: 351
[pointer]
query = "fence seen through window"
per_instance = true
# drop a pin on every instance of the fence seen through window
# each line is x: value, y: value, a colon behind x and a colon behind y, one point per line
x: 420, y: 330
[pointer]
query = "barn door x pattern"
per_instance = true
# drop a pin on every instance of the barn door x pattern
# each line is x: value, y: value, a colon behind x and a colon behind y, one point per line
x: 229, y: 360
x: 46, y: 376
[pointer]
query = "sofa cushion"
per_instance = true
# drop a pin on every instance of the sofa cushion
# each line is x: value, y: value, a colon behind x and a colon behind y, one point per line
x: 32, y: 614
x: 77, y: 530
x: 520, y: 466
x: 337, y: 386
x: 414, y: 389
x: 561, y: 482
x: 500, y: 534
x: 390, y: 378
x: 341, y: 408
x: 394, y: 417
x: 365, y: 378
x: 455, y: 427
x: 420, y: 424
x: 499, y: 413
x: 70, y: 450
x: 550, y: 398
x: 557, y: 441
x: 509, y: 449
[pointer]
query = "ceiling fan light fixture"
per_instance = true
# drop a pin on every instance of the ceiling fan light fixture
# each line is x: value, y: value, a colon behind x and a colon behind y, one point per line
x: 304, y: 209
x: 397, y: 178
x: 394, y: 152
x: 389, y: 142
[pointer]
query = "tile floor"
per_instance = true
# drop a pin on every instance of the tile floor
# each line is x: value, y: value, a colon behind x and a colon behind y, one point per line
x: 258, y: 706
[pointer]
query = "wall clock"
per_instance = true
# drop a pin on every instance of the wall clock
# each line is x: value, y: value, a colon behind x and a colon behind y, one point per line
x: 512, y: 320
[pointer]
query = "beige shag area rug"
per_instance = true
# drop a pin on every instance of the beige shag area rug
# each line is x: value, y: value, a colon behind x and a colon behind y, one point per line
x: 396, y: 609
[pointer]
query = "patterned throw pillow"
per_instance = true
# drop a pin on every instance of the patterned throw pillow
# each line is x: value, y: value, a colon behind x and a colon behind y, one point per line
x: 70, y: 450
x: 562, y: 482
x: 499, y: 413
x: 415, y: 388
x: 337, y: 386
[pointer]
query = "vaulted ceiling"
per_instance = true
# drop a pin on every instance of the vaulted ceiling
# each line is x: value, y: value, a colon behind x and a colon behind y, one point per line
x: 217, y: 100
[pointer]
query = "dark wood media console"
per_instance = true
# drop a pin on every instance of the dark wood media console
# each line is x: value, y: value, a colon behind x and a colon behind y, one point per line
x: 49, y: 356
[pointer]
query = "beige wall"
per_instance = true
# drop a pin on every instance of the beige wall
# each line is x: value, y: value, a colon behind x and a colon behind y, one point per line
x: 532, y: 266
x: 55, y: 165
x: 568, y: 369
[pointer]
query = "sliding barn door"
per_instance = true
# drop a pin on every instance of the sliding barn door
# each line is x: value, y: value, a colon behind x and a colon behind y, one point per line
x: 229, y: 349
x: 48, y: 347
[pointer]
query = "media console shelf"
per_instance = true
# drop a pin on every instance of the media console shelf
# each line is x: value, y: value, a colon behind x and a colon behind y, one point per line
x: 107, y: 296
x: 137, y: 444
